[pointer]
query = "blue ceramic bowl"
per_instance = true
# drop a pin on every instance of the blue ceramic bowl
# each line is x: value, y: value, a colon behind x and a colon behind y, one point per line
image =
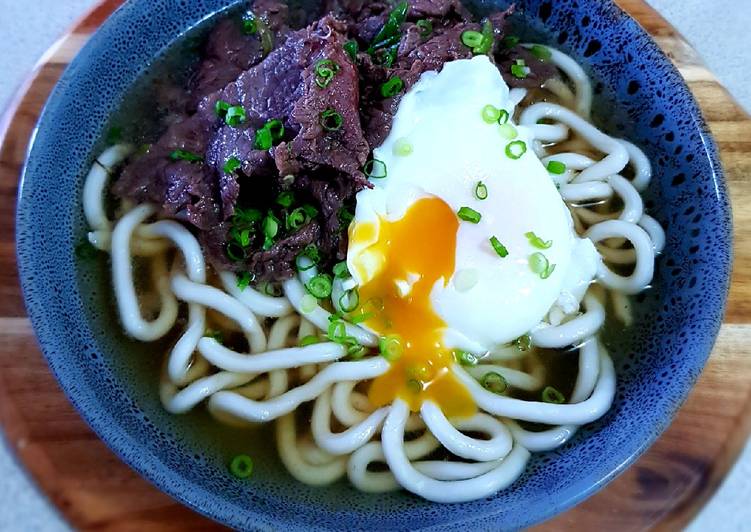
x: 113, y: 382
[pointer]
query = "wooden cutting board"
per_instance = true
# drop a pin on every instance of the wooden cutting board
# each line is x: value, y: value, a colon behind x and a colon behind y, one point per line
x: 94, y: 490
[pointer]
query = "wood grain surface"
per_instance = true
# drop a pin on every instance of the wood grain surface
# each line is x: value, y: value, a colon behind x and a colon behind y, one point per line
x: 663, y: 490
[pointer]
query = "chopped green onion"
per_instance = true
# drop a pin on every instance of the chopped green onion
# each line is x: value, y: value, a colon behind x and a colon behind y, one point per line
x: 235, y: 252
x: 182, y: 155
x: 311, y: 254
x: 403, y: 148
x: 351, y: 47
x: 267, y: 39
x: 276, y: 127
x: 465, y: 358
x: 296, y: 219
x: 504, y: 116
x: 243, y: 280
x: 310, y: 211
x: 232, y: 164
x: 221, y: 107
x: 524, y: 342
x: 311, y: 339
x: 320, y: 286
x: 471, y: 39
x: 519, y: 69
x: 264, y: 140
x: 345, y: 217
x: 285, y: 199
x: 425, y: 27
x: 508, y: 131
x: 376, y: 303
x: 494, y: 382
x: 270, y: 230
x: 556, y: 167
x: 538, y: 242
x: 308, y: 304
x: 468, y: 214
x: 325, y: 71
x: 337, y: 330
x: 340, y: 270
x: 250, y: 25
x: 389, y: 33
x: 86, y: 251
x: 331, y: 120
x: 241, y: 466
x: 510, y: 41
x: 541, y: 52
x: 360, y: 318
x: 515, y: 150
x: 235, y: 116
x: 375, y: 169
x: 386, y: 56
x: 349, y: 300
x: 498, y: 247
x: 481, y: 191
x: 390, y: 347
x: 551, y: 395
x: 480, y: 42
x: 392, y: 87
x: 414, y: 386
x: 271, y: 289
x: 217, y: 336
x: 540, y: 265
x: 491, y: 114
x: 355, y: 351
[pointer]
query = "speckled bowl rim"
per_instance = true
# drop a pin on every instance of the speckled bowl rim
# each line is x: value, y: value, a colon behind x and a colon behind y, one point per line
x: 200, y: 499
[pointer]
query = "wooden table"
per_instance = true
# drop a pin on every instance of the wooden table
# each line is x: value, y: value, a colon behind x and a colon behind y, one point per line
x: 94, y: 490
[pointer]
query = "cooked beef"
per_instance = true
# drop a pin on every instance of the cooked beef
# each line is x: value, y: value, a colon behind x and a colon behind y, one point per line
x: 323, y: 157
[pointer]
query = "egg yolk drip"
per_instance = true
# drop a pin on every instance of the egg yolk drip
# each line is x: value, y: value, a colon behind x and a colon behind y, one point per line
x: 414, y: 253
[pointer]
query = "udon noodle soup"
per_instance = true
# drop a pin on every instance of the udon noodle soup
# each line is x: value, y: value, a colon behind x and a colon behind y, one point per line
x: 488, y: 225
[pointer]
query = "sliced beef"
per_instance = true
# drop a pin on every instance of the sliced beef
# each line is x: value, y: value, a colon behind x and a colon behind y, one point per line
x: 539, y: 71
x: 279, y: 261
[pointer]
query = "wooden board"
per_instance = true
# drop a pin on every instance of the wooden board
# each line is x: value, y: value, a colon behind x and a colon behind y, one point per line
x: 94, y: 490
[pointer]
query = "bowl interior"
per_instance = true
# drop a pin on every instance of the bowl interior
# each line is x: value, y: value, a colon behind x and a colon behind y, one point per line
x: 113, y: 381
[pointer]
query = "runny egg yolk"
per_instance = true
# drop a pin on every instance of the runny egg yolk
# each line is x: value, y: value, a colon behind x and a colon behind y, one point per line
x: 413, y: 253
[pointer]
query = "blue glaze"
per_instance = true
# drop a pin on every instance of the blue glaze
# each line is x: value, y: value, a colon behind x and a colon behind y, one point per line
x: 639, y: 96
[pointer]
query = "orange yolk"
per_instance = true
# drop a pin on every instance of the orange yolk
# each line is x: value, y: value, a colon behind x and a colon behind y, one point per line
x: 414, y: 253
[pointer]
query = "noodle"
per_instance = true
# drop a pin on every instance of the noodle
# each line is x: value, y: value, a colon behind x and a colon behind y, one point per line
x: 347, y: 433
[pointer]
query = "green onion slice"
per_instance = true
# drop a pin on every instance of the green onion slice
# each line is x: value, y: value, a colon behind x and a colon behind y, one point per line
x: 349, y: 300
x: 465, y: 358
x: 551, y: 395
x: 515, y: 149
x: 471, y: 39
x: 325, y: 71
x: 425, y: 27
x: 540, y: 265
x: 331, y: 120
x: 235, y: 115
x: 556, y: 167
x: 360, y: 318
x: 390, y: 347
x: 494, y: 382
x: 524, y: 342
x: 403, y: 148
x: 241, y: 466
x: 468, y: 214
x: 499, y: 248
x: 263, y: 141
x: 250, y: 25
x: 270, y: 230
x: 311, y: 339
x: 510, y: 41
x: 491, y: 114
x: 392, y: 87
x: 519, y: 69
x: 311, y: 254
x: 389, y: 33
x: 243, y: 280
x: 538, y: 242
x: 285, y: 199
x: 508, y: 131
x: 481, y: 191
x: 503, y: 117
x: 375, y: 169
x: 183, y: 155
x: 217, y: 336
x: 542, y: 53
x: 351, y: 47
x: 221, y: 107
x: 340, y: 270
x: 296, y: 219
x: 232, y: 165
x: 320, y: 286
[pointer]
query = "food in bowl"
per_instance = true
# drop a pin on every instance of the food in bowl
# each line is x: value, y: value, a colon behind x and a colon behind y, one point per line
x: 394, y: 233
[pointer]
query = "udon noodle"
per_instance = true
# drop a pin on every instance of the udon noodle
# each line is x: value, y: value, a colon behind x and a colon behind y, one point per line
x: 346, y: 435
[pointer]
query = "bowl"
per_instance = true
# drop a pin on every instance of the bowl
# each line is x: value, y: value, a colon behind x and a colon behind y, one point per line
x: 112, y: 381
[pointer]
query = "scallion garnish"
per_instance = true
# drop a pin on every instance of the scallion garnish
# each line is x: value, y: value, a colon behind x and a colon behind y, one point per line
x: 425, y: 27
x: 499, y: 248
x: 325, y: 71
x: 235, y: 115
x: 250, y: 25
x: 503, y: 117
x: 556, y: 167
x: 351, y: 47
x: 331, y: 120
x: 390, y: 347
x: 472, y: 39
x: 270, y: 230
x: 320, y: 286
x: 414, y: 386
x: 551, y: 395
x: 524, y: 342
x: 403, y: 148
x: 232, y: 164
x: 491, y: 114
x: 540, y: 265
x: 508, y: 131
x: 311, y: 339
x: 515, y: 149
x: 243, y: 280
x: 276, y: 127
x: 221, y: 107
x: 519, y: 69
x: 217, y: 336
x: 375, y: 169
x: 481, y: 191
x: 307, y: 258
x: 465, y: 358
x: 285, y: 199
x: 480, y: 42
x: 349, y: 300
x: 392, y: 87
x: 263, y: 140
x: 538, y: 242
x: 541, y: 52
x: 494, y: 382
x: 389, y: 34
x: 360, y: 318
x: 297, y: 218
x: 340, y: 270
x: 468, y: 214
x: 183, y: 155
x: 241, y: 466
x: 510, y: 41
